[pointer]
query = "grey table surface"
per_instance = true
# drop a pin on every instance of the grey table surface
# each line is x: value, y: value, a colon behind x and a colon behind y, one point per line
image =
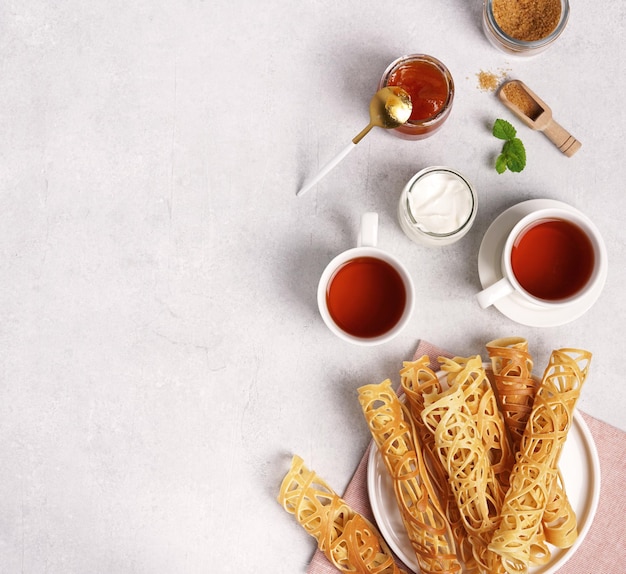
x: 161, y: 353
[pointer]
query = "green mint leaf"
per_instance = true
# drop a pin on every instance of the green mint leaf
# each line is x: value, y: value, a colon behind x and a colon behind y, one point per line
x: 503, y: 130
x: 515, y: 154
x: 501, y: 163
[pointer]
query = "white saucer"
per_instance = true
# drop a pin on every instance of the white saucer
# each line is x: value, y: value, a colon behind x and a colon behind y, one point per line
x: 514, y: 306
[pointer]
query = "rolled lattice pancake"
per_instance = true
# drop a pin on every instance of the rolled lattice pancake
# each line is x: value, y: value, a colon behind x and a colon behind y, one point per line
x: 470, y: 375
x: 424, y: 519
x: 472, y: 480
x: 349, y: 541
x: 417, y: 379
x: 535, y: 471
x: 512, y: 367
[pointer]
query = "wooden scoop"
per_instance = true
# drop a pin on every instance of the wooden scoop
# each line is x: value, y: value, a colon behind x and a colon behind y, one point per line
x: 537, y: 115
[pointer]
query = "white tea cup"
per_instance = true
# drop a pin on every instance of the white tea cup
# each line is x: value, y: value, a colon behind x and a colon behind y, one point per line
x: 365, y: 295
x: 552, y: 257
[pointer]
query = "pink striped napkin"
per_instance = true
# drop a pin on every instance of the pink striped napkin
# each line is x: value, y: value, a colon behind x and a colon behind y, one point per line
x: 604, y: 548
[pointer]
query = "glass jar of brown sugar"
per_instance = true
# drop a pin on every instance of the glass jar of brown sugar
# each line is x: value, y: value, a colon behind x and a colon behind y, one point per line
x: 524, y: 28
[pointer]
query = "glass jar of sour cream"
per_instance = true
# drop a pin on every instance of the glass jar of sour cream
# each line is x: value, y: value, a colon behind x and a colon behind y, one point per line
x: 437, y: 206
x: 430, y: 85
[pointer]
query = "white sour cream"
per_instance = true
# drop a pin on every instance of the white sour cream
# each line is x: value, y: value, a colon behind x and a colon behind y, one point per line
x: 439, y: 202
x: 437, y: 206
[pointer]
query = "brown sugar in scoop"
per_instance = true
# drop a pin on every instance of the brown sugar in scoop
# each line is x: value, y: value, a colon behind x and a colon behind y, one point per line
x: 537, y: 115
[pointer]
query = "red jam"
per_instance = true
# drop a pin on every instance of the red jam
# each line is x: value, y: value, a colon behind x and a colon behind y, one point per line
x: 431, y: 88
x: 426, y: 85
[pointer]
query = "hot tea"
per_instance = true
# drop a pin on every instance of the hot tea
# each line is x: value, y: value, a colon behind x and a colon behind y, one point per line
x: 552, y: 259
x: 366, y: 297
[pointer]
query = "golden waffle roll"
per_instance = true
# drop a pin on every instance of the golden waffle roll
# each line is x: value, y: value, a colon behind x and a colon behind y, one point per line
x: 535, y: 470
x: 469, y: 373
x: 349, y: 541
x: 417, y: 379
x: 425, y: 521
x: 515, y: 386
x: 472, y: 480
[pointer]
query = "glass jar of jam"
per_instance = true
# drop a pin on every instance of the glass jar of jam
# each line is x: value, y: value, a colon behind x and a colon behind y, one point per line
x: 430, y: 85
x: 524, y: 28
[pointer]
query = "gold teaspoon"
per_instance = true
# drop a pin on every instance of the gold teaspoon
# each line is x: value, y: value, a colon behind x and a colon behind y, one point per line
x: 389, y: 108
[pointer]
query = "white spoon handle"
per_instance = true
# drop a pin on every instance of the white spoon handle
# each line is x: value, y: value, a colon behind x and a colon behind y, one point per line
x: 328, y: 167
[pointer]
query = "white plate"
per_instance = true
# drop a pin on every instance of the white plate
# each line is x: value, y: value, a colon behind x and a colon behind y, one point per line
x: 514, y: 306
x: 579, y: 466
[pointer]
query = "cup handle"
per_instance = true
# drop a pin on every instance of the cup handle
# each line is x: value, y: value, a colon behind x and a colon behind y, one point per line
x: 491, y: 294
x: 368, y: 232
